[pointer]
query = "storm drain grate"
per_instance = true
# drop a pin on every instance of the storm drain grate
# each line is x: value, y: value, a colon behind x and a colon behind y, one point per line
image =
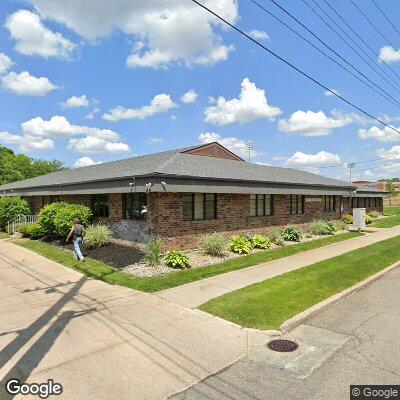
x: 283, y: 346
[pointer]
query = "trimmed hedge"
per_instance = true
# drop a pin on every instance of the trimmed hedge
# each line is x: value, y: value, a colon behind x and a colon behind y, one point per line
x: 12, y: 207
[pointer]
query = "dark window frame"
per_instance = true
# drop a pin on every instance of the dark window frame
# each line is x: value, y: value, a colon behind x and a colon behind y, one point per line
x: 100, y: 205
x: 206, y: 212
x: 330, y: 204
x: 263, y: 198
x: 294, y: 203
x: 129, y: 199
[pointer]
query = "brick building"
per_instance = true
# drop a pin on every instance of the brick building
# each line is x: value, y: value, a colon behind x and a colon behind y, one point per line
x: 180, y: 195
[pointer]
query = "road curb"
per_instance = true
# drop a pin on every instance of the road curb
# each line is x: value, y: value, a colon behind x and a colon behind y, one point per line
x: 298, y: 319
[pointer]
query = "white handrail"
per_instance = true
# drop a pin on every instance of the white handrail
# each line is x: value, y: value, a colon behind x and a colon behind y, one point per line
x: 23, y: 220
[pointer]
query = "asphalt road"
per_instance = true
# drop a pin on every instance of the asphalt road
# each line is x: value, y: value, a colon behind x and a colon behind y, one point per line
x: 359, y: 343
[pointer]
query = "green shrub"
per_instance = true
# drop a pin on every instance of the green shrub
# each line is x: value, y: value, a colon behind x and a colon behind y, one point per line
x: 214, y: 245
x: 12, y: 207
x: 291, y: 234
x: 374, y: 214
x: 65, y: 216
x: 47, y: 215
x: 368, y: 219
x: 340, y: 226
x: 177, y: 259
x: 97, y: 236
x: 153, y: 252
x: 321, y: 227
x: 347, y: 219
x: 240, y: 244
x: 261, y: 242
x: 275, y: 236
x: 33, y: 231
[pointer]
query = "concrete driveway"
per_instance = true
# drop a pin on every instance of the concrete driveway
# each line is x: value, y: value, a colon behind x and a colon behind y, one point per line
x: 101, y: 341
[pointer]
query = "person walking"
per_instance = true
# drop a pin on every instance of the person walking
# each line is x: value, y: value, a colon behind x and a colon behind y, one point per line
x: 77, y: 233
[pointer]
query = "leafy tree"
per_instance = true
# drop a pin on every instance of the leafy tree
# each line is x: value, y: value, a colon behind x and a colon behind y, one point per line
x: 11, y: 207
x: 391, y: 189
x: 16, y: 167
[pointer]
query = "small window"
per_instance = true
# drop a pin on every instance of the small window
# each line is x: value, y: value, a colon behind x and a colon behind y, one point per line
x: 330, y: 203
x: 135, y: 205
x: 353, y: 202
x: 100, y: 205
x: 55, y: 199
x: 261, y: 204
x: 199, y: 206
x: 295, y: 204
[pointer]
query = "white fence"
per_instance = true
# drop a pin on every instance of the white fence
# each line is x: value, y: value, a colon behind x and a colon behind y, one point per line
x: 12, y: 226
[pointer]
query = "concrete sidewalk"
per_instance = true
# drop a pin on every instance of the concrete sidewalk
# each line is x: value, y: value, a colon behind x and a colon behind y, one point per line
x: 100, y: 341
x: 194, y: 294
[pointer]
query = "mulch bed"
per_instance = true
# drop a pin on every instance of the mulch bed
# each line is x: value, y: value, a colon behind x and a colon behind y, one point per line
x: 115, y: 255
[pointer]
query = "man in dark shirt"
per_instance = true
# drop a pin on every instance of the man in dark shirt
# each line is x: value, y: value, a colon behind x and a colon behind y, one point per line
x: 77, y: 233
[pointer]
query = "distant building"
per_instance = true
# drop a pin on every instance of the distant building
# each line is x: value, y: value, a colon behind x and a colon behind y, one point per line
x: 376, y: 185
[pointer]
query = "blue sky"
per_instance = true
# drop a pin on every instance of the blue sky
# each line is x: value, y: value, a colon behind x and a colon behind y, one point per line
x: 91, y: 84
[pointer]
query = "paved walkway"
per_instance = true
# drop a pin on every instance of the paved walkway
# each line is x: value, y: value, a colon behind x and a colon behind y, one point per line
x: 100, y: 341
x: 194, y: 294
x: 365, y: 329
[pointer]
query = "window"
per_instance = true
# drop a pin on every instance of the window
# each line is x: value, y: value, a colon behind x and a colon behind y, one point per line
x: 360, y: 202
x: 135, y: 205
x: 100, y: 205
x: 261, y: 204
x: 330, y: 203
x: 55, y: 199
x: 295, y: 204
x: 354, y: 202
x: 199, y: 206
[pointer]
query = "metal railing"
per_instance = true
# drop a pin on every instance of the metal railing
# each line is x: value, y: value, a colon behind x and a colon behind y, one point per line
x: 23, y: 220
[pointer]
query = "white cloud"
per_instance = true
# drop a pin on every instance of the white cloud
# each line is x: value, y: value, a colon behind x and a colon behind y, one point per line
x: 159, y: 105
x: 310, y: 123
x: 234, y: 144
x: 5, y: 63
x: 91, y: 114
x: 189, y: 97
x: 258, y: 35
x: 33, y: 38
x: 59, y: 126
x: 26, y: 84
x: 383, y: 135
x: 76, y: 101
x: 155, y: 140
x: 85, y: 162
x: 392, y: 154
x: 322, y: 158
x: 166, y: 31
x: 91, y: 144
x: 251, y: 105
x: 330, y: 94
x: 389, y: 54
x: 27, y: 143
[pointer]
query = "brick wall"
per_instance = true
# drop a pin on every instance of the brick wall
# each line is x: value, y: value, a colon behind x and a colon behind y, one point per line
x: 165, y: 212
x: 347, y: 209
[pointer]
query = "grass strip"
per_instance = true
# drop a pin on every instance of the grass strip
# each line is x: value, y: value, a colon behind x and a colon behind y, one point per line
x: 111, y: 275
x: 266, y: 305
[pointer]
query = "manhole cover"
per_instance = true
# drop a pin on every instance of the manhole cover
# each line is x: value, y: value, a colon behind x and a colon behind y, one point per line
x: 283, y: 346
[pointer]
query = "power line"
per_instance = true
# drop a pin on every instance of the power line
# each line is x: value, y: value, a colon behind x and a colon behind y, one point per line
x: 372, y: 24
x: 345, y: 41
x: 329, y: 47
x: 322, y: 52
x: 360, y: 37
x: 387, y: 18
x: 276, y: 55
x: 380, y: 165
x: 394, y: 102
x: 359, y: 162
x: 376, y: 64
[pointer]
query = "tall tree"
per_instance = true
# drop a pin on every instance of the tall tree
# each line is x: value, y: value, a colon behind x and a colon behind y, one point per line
x: 16, y: 167
x: 392, y: 191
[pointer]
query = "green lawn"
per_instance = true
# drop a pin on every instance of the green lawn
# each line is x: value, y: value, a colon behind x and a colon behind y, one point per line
x: 268, y: 304
x: 108, y: 274
x: 393, y: 218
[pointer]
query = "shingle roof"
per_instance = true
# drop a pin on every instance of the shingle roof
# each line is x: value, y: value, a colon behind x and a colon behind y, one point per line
x: 370, y: 189
x: 176, y: 163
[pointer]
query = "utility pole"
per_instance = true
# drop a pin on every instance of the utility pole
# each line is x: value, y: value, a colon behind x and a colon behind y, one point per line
x: 249, y: 147
x: 350, y: 166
